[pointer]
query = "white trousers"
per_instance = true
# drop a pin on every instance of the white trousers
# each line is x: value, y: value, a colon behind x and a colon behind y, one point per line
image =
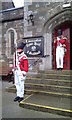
x: 59, y: 56
x: 19, y: 84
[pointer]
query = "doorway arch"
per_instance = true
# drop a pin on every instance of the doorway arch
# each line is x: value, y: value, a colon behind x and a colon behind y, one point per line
x: 63, y: 19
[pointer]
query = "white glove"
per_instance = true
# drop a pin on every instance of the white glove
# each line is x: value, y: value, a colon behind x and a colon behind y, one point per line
x: 24, y: 73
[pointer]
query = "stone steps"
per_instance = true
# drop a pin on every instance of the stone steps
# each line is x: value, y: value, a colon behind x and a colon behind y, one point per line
x: 52, y: 84
x: 58, y: 82
x: 54, y: 76
x: 50, y: 88
x: 49, y: 81
x: 43, y: 92
x: 59, y: 87
x: 64, y: 72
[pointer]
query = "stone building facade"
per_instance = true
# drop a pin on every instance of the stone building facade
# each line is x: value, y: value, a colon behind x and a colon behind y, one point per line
x: 47, y: 18
x: 12, y: 30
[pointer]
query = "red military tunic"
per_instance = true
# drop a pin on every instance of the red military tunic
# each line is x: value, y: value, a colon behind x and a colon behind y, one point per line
x: 23, y: 62
x: 61, y: 41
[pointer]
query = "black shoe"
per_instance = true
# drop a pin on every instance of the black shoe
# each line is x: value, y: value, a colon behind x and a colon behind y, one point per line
x: 61, y: 68
x: 16, y: 99
x: 58, y: 68
x: 20, y: 99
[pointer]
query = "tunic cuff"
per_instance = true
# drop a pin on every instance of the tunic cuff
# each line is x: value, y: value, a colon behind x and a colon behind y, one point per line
x: 23, y: 72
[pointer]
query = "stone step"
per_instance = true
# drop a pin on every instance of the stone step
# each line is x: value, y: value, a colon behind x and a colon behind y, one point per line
x: 50, y: 88
x: 51, y: 72
x: 48, y: 81
x: 64, y: 72
x: 69, y: 72
x: 53, y: 76
x: 48, y: 104
x: 50, y: 75
x: 40, y: 91
x: 43, y: 92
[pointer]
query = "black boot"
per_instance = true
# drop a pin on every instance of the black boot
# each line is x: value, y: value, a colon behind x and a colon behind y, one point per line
x: 58, y: 68
x: 16, y: 99
x: 61, y: 68
x: 20, y: 99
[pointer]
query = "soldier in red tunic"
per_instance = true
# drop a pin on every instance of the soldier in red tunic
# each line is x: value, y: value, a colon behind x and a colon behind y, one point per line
x: 20, y: 70
x: 60, y: 47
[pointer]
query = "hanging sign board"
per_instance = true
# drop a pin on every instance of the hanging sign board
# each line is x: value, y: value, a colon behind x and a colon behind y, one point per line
x: 34, y: 46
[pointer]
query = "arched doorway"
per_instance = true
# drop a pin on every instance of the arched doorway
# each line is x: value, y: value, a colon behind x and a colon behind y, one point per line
x: 62, y: 20
x: 65, y: 31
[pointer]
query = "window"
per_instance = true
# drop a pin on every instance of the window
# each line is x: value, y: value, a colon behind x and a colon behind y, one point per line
x: 12, y: 42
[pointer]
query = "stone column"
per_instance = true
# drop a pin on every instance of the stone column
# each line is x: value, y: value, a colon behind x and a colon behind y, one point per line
x: 26, y: 13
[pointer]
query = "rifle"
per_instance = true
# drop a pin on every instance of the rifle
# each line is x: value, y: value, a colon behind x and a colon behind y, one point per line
x: 16, y: 69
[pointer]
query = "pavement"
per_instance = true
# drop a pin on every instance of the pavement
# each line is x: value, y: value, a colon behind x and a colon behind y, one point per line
x: 11, y: 109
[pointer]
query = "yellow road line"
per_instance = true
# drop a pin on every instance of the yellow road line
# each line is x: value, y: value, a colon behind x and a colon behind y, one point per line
x: 27, y: 97
x: 47, y: 107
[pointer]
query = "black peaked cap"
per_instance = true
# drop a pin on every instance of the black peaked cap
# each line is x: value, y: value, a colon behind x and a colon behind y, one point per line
x: 21, y: 45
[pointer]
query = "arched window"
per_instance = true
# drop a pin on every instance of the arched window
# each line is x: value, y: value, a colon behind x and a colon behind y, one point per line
x: 11, y: 37
x: 12, y: 42
x: 10, y: 46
